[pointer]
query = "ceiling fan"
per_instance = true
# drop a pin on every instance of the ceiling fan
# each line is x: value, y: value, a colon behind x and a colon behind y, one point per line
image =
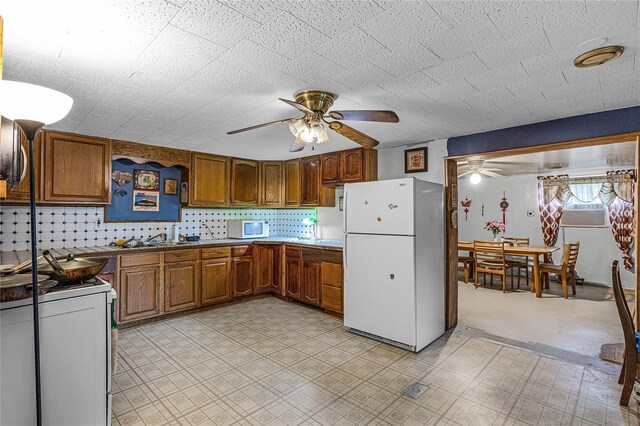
x: 315, y: 104
x: 476, y: 168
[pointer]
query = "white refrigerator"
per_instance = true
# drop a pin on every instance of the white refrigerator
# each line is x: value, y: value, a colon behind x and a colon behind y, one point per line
x: 394, y: 275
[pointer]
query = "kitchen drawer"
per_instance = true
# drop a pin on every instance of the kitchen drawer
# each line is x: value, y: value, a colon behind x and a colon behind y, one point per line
x: 332, y: 274
x: 180, y: 256
x: 293, y: 252
x: 332, y: 298
x: 216, y: 252
x: 238, y: 251
x: 129, y: 260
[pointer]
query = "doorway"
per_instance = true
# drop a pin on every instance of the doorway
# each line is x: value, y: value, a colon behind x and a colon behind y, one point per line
x: 518, y: 314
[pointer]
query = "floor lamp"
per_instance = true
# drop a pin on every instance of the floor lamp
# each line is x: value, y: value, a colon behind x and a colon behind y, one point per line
x: 32, y: 107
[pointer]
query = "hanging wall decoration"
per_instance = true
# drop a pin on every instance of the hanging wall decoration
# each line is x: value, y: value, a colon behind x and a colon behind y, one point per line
x: 482, y: 209
x: 171, y: 186
x: 147, y: 180
x: 504, y: 205
x: 146, y: 201
x: 121, y: 177
x: 466, y: 203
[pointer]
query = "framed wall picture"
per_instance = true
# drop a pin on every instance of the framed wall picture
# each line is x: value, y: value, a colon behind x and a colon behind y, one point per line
x: 415, y: 160
x: 170, y: 186
x: 146, y: 201
x: 147, y: 180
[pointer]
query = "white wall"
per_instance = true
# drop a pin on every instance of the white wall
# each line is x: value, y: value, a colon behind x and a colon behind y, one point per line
x: 330, y: 219
x: 391, y: 162
x: 597, y: 247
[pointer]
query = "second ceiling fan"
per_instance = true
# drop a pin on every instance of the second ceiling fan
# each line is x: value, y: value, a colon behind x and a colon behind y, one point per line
x: 309, y: 128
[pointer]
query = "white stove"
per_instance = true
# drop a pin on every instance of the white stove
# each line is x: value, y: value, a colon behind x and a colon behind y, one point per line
x: 75, y: 355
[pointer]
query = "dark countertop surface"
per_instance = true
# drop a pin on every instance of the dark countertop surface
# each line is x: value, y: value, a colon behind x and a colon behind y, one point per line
x: 16, y: 257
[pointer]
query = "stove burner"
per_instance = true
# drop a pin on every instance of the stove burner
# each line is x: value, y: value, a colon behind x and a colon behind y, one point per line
x: 80, y: 284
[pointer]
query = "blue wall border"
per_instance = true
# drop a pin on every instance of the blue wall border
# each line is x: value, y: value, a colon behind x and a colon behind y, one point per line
x: 585, y: 126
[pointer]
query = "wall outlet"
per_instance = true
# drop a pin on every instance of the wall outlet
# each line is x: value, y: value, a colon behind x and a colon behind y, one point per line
x: 529, y: 213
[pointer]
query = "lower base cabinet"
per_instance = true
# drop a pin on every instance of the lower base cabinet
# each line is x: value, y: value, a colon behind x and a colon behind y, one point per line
x: 267, y: 267
x: 216, y: 280
x: 150, y: 284
x: 181, y: 286
x: 139, y: 292
x: 242, y: 276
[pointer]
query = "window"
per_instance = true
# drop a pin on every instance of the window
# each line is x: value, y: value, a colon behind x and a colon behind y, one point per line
x: 584, y: 209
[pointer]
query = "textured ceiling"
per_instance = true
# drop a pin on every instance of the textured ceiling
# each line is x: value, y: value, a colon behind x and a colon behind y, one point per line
x: 575, y: 161
x: 183, y: 73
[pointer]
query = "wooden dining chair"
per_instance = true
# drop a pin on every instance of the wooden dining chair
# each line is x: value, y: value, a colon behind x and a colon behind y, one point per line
x: 467, y: 266
x: 630, y: 369
x: 489, y: 259
x: 566, y: 270
x: 517, y: 262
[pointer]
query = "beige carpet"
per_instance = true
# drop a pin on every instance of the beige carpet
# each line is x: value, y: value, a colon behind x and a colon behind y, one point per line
x: 582, y: 324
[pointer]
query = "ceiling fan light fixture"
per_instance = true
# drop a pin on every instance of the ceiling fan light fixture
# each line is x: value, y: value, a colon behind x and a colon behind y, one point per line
x: 321, y: 135
x: 475, y: 178
x: 306, y: 135
x: 297, y: 126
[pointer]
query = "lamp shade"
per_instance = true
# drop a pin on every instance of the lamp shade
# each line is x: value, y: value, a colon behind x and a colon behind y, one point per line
x: 24, y: 101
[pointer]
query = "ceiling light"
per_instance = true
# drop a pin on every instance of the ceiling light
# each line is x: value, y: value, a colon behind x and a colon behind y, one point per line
x: 24, y: 101
x: 306, y: 135
x: 321, y: 135
x: 475, y: 178
x: 598, y: 56
x: 297, y: 126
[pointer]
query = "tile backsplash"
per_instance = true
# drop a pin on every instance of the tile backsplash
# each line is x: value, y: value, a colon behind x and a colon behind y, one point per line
x: 66, y: 227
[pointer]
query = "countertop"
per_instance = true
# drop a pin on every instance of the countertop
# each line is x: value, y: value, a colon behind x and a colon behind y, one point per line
x: 15, y: 257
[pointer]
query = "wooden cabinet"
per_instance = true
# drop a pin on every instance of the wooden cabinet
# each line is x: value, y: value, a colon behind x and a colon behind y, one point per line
x: 244, y: 182
x: 292, y: 183
x: 242, y: 276
x: 242, y: 270
x: 216, y: 280
x: 293, y: 272
x: 353, y: 165
x: 332, y: 291
x: 209, y: 180
x: 267, y: 264
x: 311, y: 283
x: 310, y: 181
x: 330, y: 168
x: 271, y: 188
x: 312, y: 192
x: 75, y: 169
x: 181, y: 281
x: 138, y: 292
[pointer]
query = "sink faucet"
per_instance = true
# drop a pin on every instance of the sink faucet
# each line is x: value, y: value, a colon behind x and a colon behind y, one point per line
x: 161, y: 235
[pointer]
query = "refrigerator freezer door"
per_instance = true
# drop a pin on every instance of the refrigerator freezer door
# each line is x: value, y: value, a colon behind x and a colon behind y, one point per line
x: 383, y: 207
x: 379, y: 286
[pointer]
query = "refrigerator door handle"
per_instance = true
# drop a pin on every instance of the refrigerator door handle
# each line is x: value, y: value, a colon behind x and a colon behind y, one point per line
x: 345, y: 253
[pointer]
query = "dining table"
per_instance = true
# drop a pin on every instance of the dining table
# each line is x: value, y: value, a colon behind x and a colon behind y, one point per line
x: 533, y: 252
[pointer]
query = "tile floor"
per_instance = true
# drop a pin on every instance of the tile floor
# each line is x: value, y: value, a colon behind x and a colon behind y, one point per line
x: 268, y: 362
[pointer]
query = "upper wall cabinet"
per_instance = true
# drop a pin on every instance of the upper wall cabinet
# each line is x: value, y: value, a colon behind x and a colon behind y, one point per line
x: 209, y: 180
x: 354, y: 165
x: 244, y: 182
x: 312, y: 192
x: 75, y: 169
x: 292, y: 183
x: 271, y: 192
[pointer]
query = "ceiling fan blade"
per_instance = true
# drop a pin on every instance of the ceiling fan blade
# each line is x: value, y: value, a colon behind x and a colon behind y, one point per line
x: 297, y: 106
x: 297, y: 145
x: 353, y: 134
x: 490, y: 174
x: 257, y: 126
x: 365, y: 115
x: 465, y: 173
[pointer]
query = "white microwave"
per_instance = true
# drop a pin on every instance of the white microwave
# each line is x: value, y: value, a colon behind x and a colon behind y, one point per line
x: 247, y: 228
